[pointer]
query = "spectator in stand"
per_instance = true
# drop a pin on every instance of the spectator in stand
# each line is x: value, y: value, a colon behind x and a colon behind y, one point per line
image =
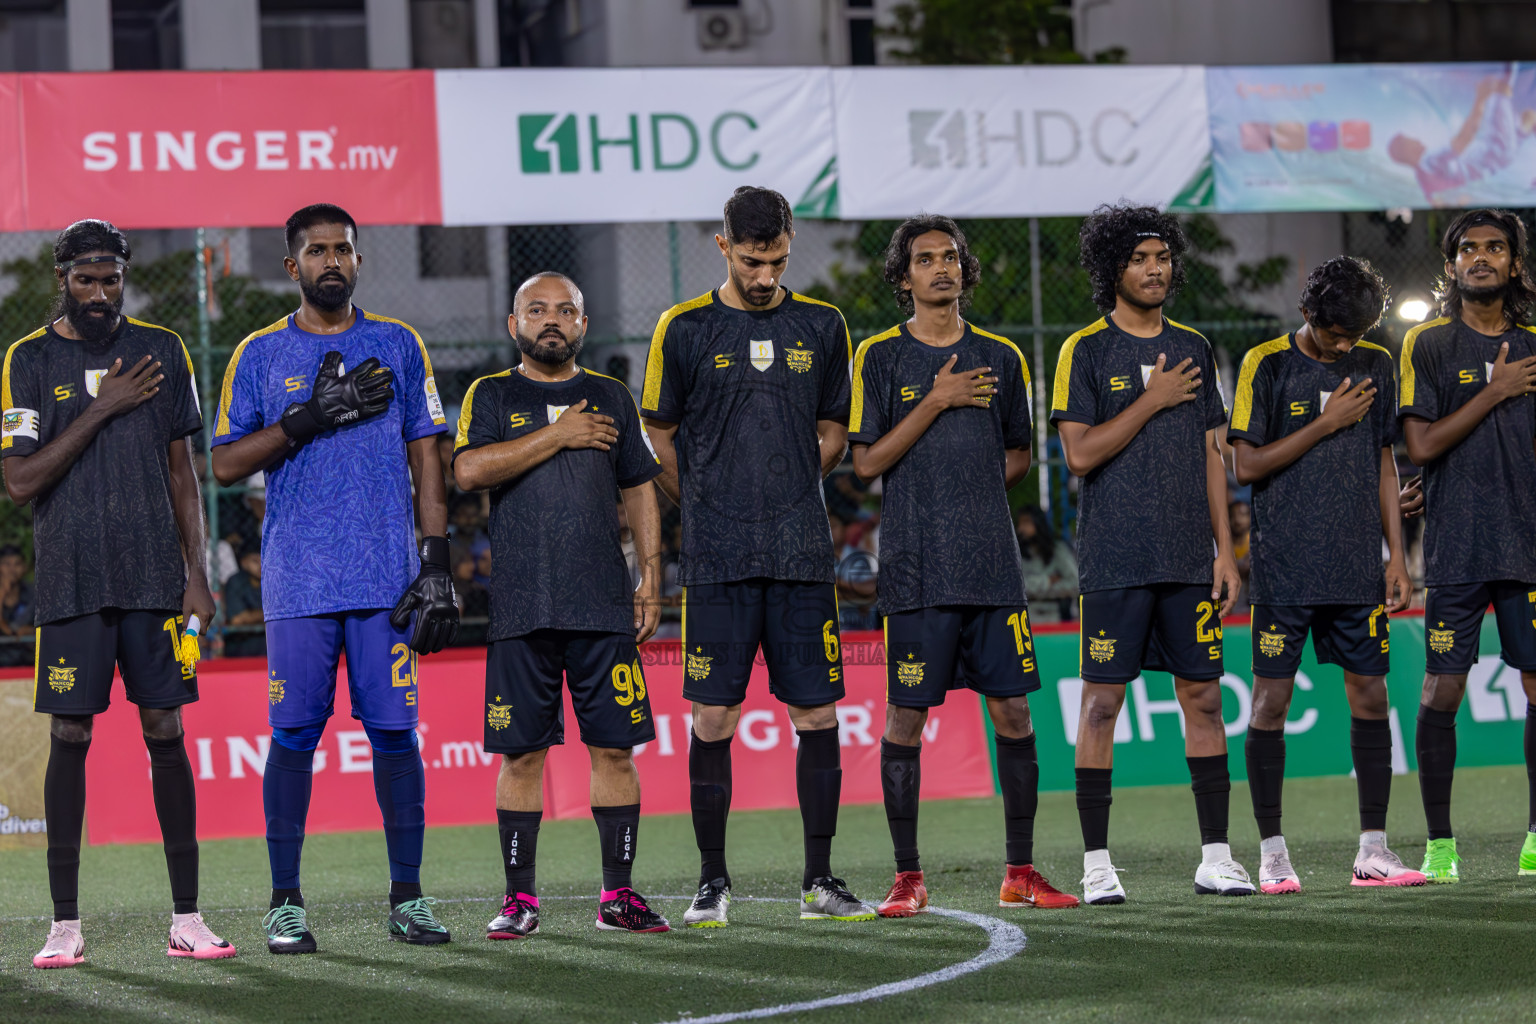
x: 1050, y: 568
x: 243, y: 619
x: 1240, y: 518
x: 16, y: 606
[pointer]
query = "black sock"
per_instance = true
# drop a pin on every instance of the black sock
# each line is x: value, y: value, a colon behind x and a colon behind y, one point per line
x: 281, y: 896
x: 901, y: 779
x: 176, y: 807
x: 1018, y: 772
x: 1435, y: 744
x: 1212, y: 785
x: 1265, y: 752
x: 1530, y: 760
x: 618, y: 828
x: 819, y: 784
x: 64, y: 809
x: 1370, y: 743
x: 709, y: 794
x: 1093, y: 800
x: 519, y: 848
x: 400, y: 892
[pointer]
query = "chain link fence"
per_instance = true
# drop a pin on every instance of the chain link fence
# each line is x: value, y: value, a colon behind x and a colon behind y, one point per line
x: 454, y: 285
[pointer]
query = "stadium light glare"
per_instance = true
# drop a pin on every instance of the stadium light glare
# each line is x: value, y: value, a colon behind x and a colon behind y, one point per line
x: 1413, y: 310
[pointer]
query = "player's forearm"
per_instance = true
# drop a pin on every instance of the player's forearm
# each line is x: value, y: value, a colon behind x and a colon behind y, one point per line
x: 832, y: 437
x: 1427, y: 441
x: 644, y: 516
x: 1389, y: 498
x: 1252, y: 463
x: 31, y: 476
x: 1216, y: 496
x: 873, y: 460
x: 431, y: 489
x: 252, y: 453
x: 662, y: 435
x: 480, y: 469
x: 187, y: 503
x: 1015, y: 466
x: 1088, y: 448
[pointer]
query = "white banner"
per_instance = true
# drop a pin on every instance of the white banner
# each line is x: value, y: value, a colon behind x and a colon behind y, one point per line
x: 562, y: 146
x: 1015, y: 141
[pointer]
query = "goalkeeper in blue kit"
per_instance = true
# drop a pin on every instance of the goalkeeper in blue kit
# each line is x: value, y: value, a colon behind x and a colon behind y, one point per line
x: 339, y: 408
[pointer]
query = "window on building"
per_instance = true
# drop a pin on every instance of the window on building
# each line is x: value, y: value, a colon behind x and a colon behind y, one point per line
x: 34, y: 36
x: 443, y: 34
x: 451, y: 252
x: 146, y: 35
x: 313, y: 34
x: 533, y: 32
x: 861, y: 31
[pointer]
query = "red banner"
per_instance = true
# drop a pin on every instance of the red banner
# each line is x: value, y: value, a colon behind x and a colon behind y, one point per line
x: 189, y: 149
x: 227, y: 739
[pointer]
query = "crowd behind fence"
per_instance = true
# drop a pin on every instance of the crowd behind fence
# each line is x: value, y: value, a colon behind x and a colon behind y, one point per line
x: 454, y: 285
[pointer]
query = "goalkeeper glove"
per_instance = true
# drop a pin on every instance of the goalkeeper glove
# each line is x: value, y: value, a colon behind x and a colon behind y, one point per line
x: 339, y: 398
x: 431, y: 597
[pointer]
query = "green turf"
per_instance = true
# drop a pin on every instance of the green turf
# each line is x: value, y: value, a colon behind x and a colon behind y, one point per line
x: 1447, y: 953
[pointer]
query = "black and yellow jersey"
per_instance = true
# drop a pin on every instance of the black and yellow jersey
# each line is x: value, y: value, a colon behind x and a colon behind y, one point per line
x: 746, y: 388
x: 556, y: 557
x: 946, y: 535
x: 1143, y: 516
x: 1479, y: 497
x: 1316, y: 536
x: 105, y: 536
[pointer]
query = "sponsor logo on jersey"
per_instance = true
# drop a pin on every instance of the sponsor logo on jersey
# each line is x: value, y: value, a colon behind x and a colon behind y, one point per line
x: 93, y: 381
x: 61, y: 677
x: 724, y: 360
x: 1101, y: 648
x: 698, y: 665
x: 275, y: 691
x: 498, y: 716
x: 909, y: 392
x: 762, y: 354
x: 1300, y: 408
x: 434, y: 401
x: 64, y: 392
x: 798, y: 358
x: 1271, y: 644
x: 1442, y: 640
x: 294, y: 383
x: 1119, y: 383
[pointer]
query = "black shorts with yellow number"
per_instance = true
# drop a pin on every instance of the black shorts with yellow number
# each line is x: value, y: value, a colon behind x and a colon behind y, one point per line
x: 930, y: 651
x: 523, y: 707
x: 1356, y: 637
x: 76, y: 658
x: 795, y: 624
x: 1453, y: 624
x: 1164, y: 627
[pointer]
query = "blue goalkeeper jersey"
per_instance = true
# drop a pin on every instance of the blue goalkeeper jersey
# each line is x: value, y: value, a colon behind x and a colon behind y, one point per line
x: 339, y: 531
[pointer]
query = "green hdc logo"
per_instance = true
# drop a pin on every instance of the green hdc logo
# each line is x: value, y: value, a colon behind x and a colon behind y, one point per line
x: 551, y: 143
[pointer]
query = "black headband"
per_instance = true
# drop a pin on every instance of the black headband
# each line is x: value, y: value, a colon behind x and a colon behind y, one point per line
x: 85, y: 260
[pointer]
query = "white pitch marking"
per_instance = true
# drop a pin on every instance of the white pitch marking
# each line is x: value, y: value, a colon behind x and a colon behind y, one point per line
x: 1007, y: 940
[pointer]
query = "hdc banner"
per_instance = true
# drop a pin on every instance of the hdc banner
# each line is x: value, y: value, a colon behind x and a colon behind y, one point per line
x: 1373, y: 137
x: 569, y: 146
x: 1015, y: 141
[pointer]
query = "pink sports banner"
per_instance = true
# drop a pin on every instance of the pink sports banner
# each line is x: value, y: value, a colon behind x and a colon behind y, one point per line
x: 227, y: 739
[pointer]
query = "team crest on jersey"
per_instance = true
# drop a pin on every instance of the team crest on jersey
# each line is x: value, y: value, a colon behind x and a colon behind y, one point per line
x: 275, y: 691
x: 554, y: 411
x: 698, y: 665
x: 1146, y: 374
x: 1101, y: 648
x: 1271, y: 644
x: 93, y: 381
x: 61, y: 677
x: 909, y: 672
x: 1442, y: 640
x: 798, y: 358
x: 762, y: 354
x: 498, y: 716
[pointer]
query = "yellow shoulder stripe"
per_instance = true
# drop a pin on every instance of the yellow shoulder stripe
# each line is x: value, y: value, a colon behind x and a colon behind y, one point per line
x: 1242, y: 402
x: 5, y: 377
x: 426, y: 360
x: 1191, y: 330
x: 847, y: 335
x: 227, y: 392
x: 1407, y: 379
x: 653, y: 361
x: 465, y: 410
x: 1062, y: 385
x: 856, y: 410
x: 1023, y: 364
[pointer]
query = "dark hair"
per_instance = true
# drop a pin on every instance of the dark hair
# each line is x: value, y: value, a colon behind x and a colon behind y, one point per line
x: 317, y: 213
x: 754, y: 214
x: 6, y: 550
x: 247, y: 549
x: 1520, y: 298
x: 85, y: 236
x: 1345, y: 293
x: 1043, y: 542
x: 1111, y: 234
x: 898, y: 256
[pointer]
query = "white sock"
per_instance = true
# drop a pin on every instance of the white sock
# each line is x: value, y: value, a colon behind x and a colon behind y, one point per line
x: 1213, y: 853
x: 1274, y: 844
x: 1095, y: 859
x: 1373, y: 839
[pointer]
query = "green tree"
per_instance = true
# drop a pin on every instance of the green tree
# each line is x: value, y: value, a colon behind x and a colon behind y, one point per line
x: 987, y: 32
x: 33, y: 287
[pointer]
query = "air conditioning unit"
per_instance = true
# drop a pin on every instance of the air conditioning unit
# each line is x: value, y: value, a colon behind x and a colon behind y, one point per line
x: 721, y: 29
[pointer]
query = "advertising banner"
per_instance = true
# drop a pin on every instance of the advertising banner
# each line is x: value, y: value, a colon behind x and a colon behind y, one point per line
x: 186, y: 149
x: 23, y: 761
x: 228, y: 736
x: 575, y: 146
x: 1373, y: 137
x: 1015, y: 141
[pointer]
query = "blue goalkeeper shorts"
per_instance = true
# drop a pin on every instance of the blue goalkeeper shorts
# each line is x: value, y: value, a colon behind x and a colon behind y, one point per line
x: 301, y: 669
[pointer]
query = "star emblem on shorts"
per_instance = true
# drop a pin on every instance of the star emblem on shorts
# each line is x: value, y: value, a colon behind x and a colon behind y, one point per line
x: 61, y: 660
x: 1438, y: 624
x: 1272, y: 626
x: 1101, y: 632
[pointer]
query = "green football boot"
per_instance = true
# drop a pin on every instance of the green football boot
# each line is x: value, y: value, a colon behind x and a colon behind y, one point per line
x: 1440, y: 859
x: 1528, y: 855
x: 414, y: 922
